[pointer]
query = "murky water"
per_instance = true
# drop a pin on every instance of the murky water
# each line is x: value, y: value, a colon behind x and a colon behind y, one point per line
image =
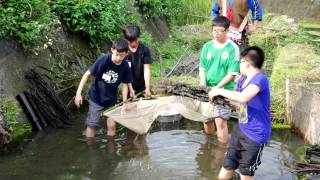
x: 176, y: 151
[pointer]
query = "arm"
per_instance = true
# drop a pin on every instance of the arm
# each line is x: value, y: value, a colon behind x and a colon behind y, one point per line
x: 131, y: 90
x: 147, y: 79
x: 78, y: 99
x: 246, y: 95
x: 125, y: 91
x: 215, y: 9
x: 202, y: 67
x: 127, y: 86
x: 225, y: 80
x: 202, y: 75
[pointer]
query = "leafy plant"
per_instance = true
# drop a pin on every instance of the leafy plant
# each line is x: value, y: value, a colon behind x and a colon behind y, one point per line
x: 282, y: 41
x: 146, y: 38
x: 194, y: 12
x: 30, y: 22
x: 152, y: 8
x: 98, y: 20
x: 66, y: 74
x: 11, y: 111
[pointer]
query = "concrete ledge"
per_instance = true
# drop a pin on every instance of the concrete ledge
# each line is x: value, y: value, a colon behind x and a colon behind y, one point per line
x: 305, y: 114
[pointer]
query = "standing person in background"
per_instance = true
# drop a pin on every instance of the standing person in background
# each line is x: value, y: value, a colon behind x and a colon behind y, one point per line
x: 219, y: 64
x: 236, y: 11
x: 253, y: 130
x: 139, y: 60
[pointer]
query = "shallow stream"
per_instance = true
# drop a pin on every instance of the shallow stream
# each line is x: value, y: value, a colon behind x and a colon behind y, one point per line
x: 170, y: 151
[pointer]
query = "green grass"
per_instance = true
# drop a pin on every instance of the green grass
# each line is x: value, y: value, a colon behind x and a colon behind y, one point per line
x: 195, y: 11
x: 290, y: 53
x: 314, y: 33
x: 309, y: 24
x: 186, y: 79
x: 195, y: 34
x: 297, y: 62
x: 280, y: 126
x: 167, y: 64
x: 11, y: 110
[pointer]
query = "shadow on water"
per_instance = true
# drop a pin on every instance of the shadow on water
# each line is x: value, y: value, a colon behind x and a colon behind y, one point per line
x: 176, y: 151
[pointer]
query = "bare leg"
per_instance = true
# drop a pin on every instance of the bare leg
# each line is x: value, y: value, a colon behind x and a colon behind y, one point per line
x: 90, y: 132
x: 222, y: 130
x: 225, y: 174
x: 209, y: 127
x: 243, y: 177
x: 111, y: 127
x: 111, y: 144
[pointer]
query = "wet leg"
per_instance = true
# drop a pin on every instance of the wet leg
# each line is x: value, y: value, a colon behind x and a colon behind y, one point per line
x: 222, y: 130
x: 208, y: 127
x: 225, y: 174
x: 111, y: 127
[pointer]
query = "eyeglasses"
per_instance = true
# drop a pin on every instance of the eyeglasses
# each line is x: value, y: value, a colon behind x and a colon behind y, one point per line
x: 242, y: 60
x: 218, y: 31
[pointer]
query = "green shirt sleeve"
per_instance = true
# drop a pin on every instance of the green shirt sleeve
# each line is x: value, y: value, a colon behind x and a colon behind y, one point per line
x: 234, y: 62
x: 203, y: 57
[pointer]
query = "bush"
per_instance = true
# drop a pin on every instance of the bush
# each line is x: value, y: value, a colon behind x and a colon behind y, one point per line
x: 287, y: 56
x: 98, y: 20
x: 165, y: 8
x: 30, y: 22
x: 11, y: 111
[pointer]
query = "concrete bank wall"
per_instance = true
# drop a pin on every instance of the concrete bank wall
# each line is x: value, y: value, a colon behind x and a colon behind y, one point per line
x: 14, y: 62
x: 304, y: 114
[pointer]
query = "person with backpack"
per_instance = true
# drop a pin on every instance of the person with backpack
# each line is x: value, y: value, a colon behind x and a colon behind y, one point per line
x: 237, y: 12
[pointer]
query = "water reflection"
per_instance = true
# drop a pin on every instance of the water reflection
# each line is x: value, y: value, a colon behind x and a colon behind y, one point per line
x: 181, y: 153
x: 210, y: 157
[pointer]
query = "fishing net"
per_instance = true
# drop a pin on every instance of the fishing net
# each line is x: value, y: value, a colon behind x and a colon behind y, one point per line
x: 138, y: 116
x: 186, y: 100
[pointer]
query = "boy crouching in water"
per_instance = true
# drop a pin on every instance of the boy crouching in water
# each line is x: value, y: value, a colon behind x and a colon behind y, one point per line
x: 109, y: 71
x: 253, y: 130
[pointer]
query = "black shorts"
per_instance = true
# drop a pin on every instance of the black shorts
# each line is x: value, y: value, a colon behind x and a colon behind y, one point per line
x: 243, y: 153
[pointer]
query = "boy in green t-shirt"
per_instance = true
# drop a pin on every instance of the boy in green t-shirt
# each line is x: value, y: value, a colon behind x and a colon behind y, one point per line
x: 219, y: 64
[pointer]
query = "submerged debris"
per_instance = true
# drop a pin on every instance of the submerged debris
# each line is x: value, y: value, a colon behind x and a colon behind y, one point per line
x: 311, y: 163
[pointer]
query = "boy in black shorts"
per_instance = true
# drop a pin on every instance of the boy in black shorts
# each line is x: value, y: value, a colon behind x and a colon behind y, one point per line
x: 253, y: 131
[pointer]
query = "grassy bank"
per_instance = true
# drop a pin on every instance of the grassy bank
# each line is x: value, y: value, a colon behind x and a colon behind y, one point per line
x: 10, y: 111
x: 282, y: 38
x: 290, y: 53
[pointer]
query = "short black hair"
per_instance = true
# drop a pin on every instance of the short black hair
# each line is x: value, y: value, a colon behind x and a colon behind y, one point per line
x: 121, y: 45
x: 255, y: 56
x: 221, y: 21
x: 131, y: 32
